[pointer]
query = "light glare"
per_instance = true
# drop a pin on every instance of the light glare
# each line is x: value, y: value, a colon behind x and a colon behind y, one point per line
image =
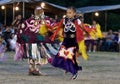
x: 2, y: 7
x: 16, y: 8
x: 42, y: 4
x: 96, y: 14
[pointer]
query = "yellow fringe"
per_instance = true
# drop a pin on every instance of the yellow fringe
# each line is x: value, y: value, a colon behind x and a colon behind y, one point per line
x: 98, y: 33
x: 43, y: 30
x: 82, y: 49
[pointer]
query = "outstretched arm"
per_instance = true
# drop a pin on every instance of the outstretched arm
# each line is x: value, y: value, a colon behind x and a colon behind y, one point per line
x: 57, y: 30
x: 82, y: 26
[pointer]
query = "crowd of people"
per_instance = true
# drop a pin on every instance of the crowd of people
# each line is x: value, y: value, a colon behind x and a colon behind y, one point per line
x: 110, y: 41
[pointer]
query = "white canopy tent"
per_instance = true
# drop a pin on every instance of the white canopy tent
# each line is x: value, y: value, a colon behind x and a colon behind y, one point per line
x: 4, y: 2
x: 90, y: 9
x: 56, y: 6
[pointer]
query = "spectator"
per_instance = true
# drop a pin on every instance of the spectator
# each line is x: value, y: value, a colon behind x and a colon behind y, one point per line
x: 3, y: 41
x: 6, y: 35
x: 109, y: 39
x: 1, y: 31
x: 119, y: 39
x: 16, y: 22
x: 98, y: 35
x: 12, y: 41
x: 3, y: 56
x: 115, y: 45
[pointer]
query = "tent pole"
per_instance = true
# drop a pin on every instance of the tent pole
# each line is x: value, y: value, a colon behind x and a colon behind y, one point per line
x: 105, y: 20
x: 92, y: 18
x: 13, y: 12
x: 23, y: 9
x: 5, y: 17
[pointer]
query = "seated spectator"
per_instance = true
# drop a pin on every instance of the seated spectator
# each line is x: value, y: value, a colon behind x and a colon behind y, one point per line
x: 109, y: 39
x: 115, y: 45
x: 12, y: 41
x: 3, y: 56
x: 3, y: 41
x: 119, y: 39
x: 12, y: 29
x: 6, y: 35
x: 1, y: 31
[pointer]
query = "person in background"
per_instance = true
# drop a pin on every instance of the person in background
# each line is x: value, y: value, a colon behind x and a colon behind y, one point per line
x: 119, y: 39
x: 115, y: 45
x: 97, y: 36
x: 16, y: 22
x: 3, y: 56
x: 109, y: 39
x: 6, y: 35
x: 12, y: 41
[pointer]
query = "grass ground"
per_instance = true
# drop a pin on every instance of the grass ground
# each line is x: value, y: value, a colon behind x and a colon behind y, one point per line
x: 101, y: 68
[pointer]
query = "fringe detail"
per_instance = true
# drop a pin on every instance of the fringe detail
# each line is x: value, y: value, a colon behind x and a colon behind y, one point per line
x: 51, y: 49
x: 82, y: 49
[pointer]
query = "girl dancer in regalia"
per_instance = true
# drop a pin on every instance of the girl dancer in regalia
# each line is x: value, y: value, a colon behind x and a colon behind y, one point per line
x: 30, y: 38
x: 94, y: 36
x: 73, y: 35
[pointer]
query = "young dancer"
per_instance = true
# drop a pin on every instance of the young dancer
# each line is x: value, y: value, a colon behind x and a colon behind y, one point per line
x: 73, y: 34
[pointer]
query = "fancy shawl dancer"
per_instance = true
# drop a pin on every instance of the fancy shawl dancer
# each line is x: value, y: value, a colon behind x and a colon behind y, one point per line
x: 73, y: 35
x: 30, y: 38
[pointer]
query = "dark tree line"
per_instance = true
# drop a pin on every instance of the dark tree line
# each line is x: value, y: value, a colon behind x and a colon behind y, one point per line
x: 81, y: 3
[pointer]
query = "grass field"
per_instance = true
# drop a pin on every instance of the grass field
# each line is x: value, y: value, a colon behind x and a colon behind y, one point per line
x: 101, y: 68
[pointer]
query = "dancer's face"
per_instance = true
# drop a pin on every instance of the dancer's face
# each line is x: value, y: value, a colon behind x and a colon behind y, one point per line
x: 70, y: 13
x: 38, y: 11
x: 19, y: 17
x: 0, y: 41
x: 94, y: 22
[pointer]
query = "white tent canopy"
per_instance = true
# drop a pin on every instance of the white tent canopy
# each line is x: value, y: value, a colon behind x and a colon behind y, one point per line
x: 90, y: 9
x: 57, y: 6
x: 3, y: 2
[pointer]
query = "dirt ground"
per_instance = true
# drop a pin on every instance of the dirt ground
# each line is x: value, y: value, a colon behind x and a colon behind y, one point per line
x: 101, y: 68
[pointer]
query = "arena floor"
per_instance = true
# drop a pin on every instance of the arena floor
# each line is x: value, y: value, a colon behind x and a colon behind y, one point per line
x: 101, y: 68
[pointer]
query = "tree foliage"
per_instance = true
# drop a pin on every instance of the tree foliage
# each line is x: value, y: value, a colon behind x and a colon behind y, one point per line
x: 81, y: 3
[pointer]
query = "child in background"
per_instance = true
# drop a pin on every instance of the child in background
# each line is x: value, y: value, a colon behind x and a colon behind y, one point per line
x: 12, y: 41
